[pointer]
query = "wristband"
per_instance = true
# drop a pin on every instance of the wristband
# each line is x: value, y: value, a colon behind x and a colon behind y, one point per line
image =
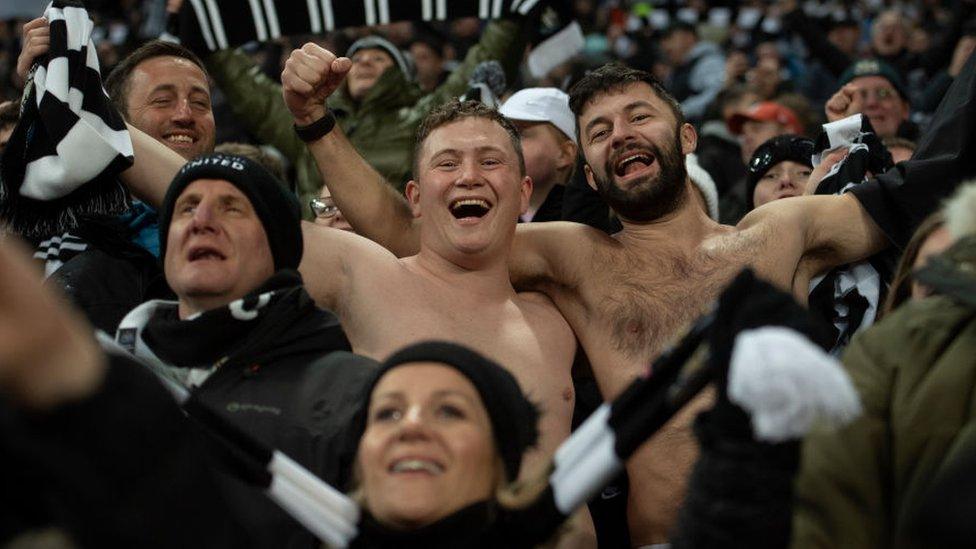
x: 316, y: 130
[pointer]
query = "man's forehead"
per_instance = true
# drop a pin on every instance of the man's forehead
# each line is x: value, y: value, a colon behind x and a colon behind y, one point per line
x: 220, y: 187
x: 468, y: 133
x: 166, y: 69
x: 619, y: 96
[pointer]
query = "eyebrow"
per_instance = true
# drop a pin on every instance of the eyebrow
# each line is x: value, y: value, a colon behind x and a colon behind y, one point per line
x: 628, y: 107
x: 399, y: 395
x: 172, y: 88
x: 459, y: 152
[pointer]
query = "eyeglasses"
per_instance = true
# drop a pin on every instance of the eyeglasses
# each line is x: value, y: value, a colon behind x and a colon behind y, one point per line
x: 323, y: 207
x: 778, y: 149
x: 881, y: 94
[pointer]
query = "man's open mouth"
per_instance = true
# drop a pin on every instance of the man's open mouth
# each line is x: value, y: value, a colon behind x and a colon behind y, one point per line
x: 634, y: 162
x: 202, y: 253
x: 180, y: 138
x: 469, y: 207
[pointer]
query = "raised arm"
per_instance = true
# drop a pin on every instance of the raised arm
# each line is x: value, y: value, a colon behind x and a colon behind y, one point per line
x: 375, y: 209
x: 154, y: 167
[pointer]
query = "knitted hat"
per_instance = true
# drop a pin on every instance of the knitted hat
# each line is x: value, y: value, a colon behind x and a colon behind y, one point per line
x: 278, y: 210
x: 772, y: 152
x: 380, y: 43
x: 513, y: 417
x: 875, y: 67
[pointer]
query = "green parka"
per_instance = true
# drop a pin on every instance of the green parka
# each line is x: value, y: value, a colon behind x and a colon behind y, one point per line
x: 382, y: 126
x: 916, y: 374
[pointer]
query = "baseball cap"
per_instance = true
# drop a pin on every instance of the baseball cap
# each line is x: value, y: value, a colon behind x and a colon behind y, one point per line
x: 767, y: 111
x: 875, y: 67
x: 541, y: 105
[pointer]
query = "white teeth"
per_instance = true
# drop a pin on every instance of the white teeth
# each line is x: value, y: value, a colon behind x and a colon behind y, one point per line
x: 410, y: 465
x: 180, y: 138
x: 470, y: 202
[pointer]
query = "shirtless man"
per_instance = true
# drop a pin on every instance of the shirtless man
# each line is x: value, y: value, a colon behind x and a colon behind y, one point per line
x: 628, y: 295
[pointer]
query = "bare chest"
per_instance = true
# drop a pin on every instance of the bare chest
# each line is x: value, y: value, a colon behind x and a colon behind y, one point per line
x: 634, y: 305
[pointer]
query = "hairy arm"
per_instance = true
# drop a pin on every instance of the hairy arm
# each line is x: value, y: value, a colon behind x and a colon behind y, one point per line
x: 372, y: 207
x: 549, y: 253
x: 830, y: 230
x: 375, y: 209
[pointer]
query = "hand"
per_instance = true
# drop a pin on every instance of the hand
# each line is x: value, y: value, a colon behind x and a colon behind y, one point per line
x: 846, y: 102
x: 962, y: 52
x: 821, y: 171
x: 37, y: 40
x: 48, y: 355
x: 311, y: 75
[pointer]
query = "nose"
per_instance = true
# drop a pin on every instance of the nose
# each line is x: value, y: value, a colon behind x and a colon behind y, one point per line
x: 623, y: 134
x: 182, y: 113
x: 470, y: 175
x: 203, y: 217
x: 412, y: 426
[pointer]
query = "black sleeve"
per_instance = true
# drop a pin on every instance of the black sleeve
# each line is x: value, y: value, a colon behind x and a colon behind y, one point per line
x: 816, y: 41
x: 122, y: 468
x: 899, y: 199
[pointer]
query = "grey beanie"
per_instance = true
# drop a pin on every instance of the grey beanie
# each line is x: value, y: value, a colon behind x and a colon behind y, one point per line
x: 378, y: 42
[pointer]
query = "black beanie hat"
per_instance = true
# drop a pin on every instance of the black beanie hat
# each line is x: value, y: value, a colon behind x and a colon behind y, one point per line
x: 514, y: 419
x: 278, y: 209
x: 772, y: 152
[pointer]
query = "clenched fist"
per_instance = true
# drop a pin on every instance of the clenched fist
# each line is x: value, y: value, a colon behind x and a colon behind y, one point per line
x: 846, y: 102
x: 312, y: 73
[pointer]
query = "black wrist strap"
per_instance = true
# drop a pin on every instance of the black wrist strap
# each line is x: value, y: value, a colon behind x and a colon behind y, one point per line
x: 316, y: 130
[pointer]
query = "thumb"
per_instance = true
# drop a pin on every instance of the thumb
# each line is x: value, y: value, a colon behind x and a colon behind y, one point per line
x: 337, y: 72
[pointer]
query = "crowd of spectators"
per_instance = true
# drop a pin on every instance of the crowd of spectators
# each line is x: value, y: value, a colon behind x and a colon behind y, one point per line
x: 301, y: 213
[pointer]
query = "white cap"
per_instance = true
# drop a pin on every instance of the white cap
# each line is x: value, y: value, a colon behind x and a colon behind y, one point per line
x: 541, y: 105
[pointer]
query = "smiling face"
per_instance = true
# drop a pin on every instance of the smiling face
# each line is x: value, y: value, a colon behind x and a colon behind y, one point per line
x: 470, y: 189
x: 169, y: 99
x: 217, y: 250
x: 428, y: 449
x: 634, y: 148
x: 367, y: 67
x: 784, y: 180
x: 883, y: 106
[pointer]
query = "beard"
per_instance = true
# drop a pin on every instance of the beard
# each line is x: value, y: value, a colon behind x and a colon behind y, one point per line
x: 653, y: 196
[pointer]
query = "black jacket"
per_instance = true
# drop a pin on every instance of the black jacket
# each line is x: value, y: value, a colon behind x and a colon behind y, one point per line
x: 274, y: 381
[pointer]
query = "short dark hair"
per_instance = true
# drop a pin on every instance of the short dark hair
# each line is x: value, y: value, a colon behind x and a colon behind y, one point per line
x: 615, y: 76
x: 454, y: 111
x: 117, y: 82
x: 269, y: 162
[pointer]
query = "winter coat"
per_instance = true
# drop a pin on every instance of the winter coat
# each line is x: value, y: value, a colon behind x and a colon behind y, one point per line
x: 916, y: 375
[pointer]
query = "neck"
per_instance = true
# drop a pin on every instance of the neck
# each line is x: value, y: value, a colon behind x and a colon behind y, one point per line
x: 539, y: 194
x: 684, y: 228
x: 479, y: 275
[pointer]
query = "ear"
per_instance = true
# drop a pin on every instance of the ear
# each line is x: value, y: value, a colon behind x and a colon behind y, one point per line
x: 525, y: 192
x: 689, y: 138
x: 567, y: 154
x: 412, y: 191
x: 589, y: 177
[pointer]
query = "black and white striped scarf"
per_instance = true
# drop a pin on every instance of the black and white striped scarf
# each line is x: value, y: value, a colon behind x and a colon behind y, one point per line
x: 70, y: 143
x: 220, y: 24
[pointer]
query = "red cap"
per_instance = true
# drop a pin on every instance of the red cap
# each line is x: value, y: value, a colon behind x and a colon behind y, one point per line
x: 767, y: 111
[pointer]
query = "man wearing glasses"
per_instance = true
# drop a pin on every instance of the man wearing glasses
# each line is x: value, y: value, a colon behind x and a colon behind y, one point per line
x: 327, y: 213
x: 872, y: 87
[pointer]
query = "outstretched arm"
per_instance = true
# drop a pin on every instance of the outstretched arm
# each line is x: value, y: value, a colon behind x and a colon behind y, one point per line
x: 373, y: 208
x: 154, y: 168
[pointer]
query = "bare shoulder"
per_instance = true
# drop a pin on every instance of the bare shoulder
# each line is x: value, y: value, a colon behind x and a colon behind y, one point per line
x: 553, y: 253
x: 332, y: 258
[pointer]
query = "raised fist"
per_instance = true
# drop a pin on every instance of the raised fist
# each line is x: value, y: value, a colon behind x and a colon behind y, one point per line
x: 312, y: 73
x: 846, y: 102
